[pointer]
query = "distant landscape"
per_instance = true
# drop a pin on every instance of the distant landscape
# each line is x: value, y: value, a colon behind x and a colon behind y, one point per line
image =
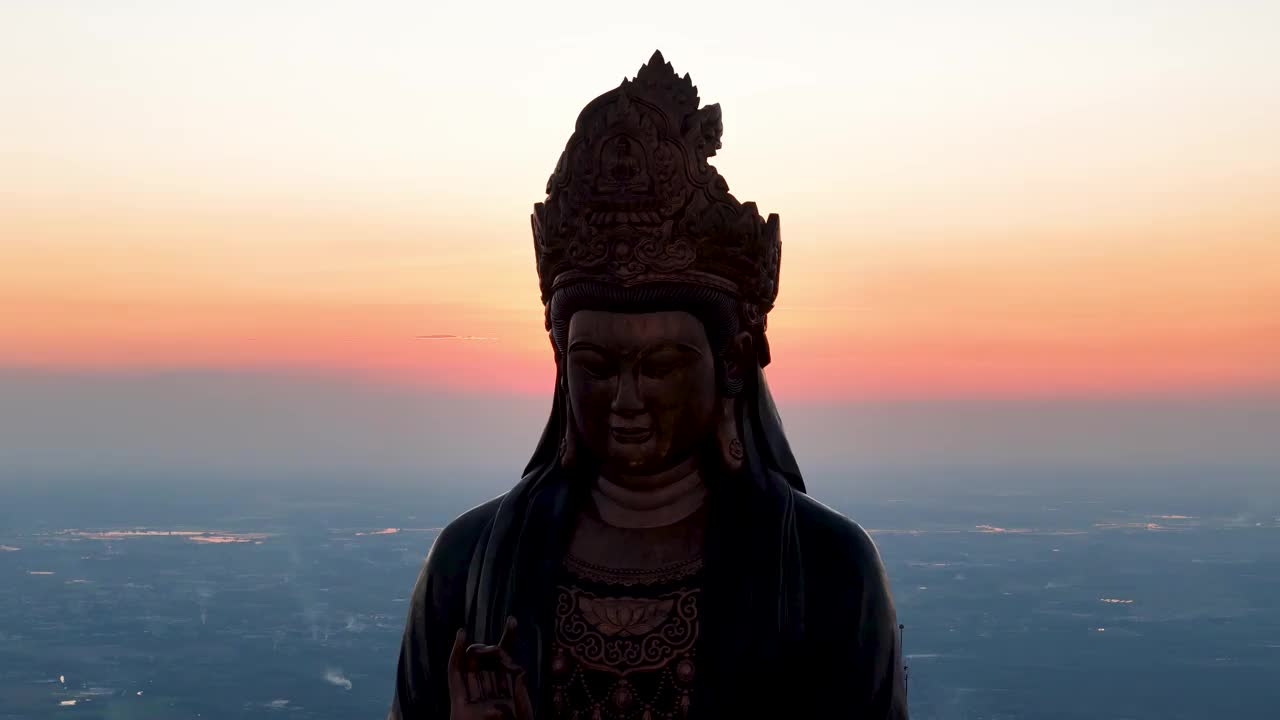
x: 1071, y: 600
x: 272, y: 314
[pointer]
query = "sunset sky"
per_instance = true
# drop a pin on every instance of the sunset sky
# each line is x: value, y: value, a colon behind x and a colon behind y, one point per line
x: 978, y: 200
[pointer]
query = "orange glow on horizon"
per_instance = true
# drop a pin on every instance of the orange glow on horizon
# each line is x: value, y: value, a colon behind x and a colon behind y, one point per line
x: 994, y: 203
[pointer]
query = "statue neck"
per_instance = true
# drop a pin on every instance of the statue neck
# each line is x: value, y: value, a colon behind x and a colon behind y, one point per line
x: 650, y: 501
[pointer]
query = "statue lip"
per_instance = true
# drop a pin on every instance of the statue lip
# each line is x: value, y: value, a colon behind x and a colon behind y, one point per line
x: 630, y: 434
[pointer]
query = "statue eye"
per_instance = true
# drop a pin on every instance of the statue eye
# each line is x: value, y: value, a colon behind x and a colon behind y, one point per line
x: 594, y: 365
x: 661, y: 364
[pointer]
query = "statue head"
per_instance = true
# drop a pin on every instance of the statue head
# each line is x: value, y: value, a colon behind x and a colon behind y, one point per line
x: 655, y: 280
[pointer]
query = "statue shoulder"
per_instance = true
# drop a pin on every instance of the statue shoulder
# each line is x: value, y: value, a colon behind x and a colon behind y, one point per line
x: 435, y: 612
x: 441, y: 585
x: 451, y: 552
x: 837, y: 551
x: 826, y: 525
x: 849, y: 608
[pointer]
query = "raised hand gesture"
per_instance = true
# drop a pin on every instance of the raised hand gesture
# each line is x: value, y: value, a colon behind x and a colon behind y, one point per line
x: 484, y: 682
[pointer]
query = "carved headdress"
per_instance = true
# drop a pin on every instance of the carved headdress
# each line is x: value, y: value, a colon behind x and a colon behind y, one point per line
x: 633, y: 201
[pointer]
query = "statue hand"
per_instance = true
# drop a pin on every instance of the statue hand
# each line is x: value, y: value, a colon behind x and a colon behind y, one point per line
x: 484, y: 682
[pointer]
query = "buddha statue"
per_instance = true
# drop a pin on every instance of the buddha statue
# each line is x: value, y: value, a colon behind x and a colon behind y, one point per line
x: 659, y: 557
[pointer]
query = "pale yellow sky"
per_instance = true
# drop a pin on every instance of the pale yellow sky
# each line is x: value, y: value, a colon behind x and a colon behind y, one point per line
x: 974, y: 196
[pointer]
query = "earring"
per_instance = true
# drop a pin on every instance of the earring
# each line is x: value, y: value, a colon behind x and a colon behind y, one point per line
x: 727, y: 436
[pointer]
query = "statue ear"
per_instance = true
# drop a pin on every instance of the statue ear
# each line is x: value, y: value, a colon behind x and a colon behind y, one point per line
x: 728, y: 439
x: 737, y: 361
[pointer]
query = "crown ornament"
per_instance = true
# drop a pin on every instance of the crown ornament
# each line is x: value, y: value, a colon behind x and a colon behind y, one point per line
x: 634, y: 200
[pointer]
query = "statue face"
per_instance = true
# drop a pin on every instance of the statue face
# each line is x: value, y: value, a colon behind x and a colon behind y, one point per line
x: 642, y: 387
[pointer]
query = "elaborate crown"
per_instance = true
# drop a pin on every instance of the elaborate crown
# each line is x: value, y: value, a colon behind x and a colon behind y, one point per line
x: 633, y: 199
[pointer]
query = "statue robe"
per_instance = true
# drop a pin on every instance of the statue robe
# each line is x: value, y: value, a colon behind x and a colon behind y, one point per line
x: 796, y: 617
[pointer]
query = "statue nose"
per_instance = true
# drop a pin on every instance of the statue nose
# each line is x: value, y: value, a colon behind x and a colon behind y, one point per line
x: 627, y: 401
